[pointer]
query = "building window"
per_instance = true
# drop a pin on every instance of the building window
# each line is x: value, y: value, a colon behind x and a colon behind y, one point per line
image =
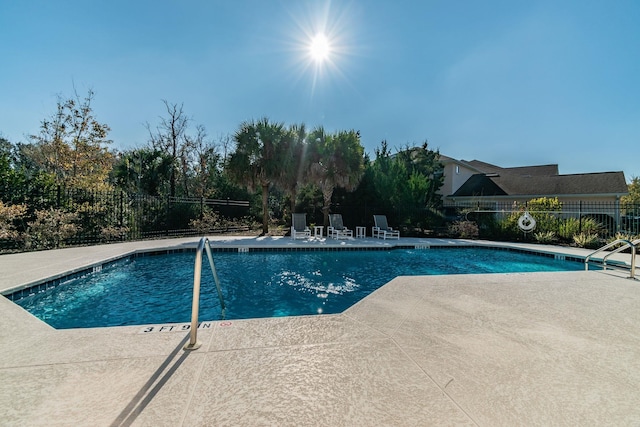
x: 457, y: 170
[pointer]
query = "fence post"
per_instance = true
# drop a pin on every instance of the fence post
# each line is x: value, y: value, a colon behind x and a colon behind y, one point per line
x: 617, y: 210
x: 580, y: 217
x: 121, y: 208
x: 364, y: 217
x: 166, y: 220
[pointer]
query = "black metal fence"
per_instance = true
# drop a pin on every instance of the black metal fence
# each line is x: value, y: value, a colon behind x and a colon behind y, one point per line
x: 103, y: 216
x: 499, y: 220
x: 565, y: 219
x: 100, y: 216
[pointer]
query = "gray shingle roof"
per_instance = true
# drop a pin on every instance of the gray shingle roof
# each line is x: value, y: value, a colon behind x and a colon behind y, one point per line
x: 514, y: 184
x: 479, y: 185
x: 520, y: 170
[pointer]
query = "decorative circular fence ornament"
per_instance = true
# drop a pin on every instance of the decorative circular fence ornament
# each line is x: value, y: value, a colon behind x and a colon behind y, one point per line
x: 526, y: 222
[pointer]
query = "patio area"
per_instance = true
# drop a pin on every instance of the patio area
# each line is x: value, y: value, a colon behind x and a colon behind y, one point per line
x: 500, y: 349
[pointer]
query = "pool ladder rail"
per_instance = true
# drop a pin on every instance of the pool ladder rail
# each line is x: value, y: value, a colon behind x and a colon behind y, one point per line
x: 624, y: 244
x: 203, y: 246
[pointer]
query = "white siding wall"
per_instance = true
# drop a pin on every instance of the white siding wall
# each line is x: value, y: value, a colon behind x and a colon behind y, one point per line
x: 454, y: 176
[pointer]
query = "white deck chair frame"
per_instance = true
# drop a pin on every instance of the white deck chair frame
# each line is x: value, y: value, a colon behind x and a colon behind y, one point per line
x: 337, y: 230
x: 382, y: 230
x: 299, y: 229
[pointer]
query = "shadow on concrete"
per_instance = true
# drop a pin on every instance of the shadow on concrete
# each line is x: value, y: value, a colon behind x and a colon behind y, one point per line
x: 149, y: 390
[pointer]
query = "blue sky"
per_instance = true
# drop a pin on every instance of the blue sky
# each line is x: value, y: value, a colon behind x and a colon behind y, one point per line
x: 512, y: 83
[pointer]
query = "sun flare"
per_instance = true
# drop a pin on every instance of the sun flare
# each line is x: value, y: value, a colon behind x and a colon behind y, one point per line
x: 319, y: 48
x: 321, y: 43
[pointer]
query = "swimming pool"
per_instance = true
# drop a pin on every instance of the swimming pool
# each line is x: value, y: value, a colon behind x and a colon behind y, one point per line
x: 158, y: 289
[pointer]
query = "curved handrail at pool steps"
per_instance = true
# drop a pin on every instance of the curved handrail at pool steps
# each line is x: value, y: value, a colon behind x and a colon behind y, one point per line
x: 203, y: 245
x: 624, y: 244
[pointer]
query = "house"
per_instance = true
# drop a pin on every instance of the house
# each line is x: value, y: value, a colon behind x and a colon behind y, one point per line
x: 493, y: 187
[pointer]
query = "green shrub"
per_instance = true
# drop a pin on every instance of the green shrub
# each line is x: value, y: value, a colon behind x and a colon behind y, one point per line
x: 545, y: 222
x: 9, y: 214
x: 545, y: 237
x: 464, y: 229
x: 507, y: 226
x: 210, y: 221
x: 50, y: 229
x: 591, y: 226
x: 544, y: 210
x: 568, y: 227
x: 623, y: 236
x: 485, y: 221
x: 551, y: 204
x: 588, y: 241
x: 112, y: 233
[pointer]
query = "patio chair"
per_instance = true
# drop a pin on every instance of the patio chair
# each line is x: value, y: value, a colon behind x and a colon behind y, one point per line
x: 337, y: 230
x: 382, y: 229
x: 299, y: 229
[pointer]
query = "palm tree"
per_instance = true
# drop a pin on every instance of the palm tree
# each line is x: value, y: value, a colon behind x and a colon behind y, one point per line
x: 258, y: 159
x: 293, y: 164
x: 335, y: 161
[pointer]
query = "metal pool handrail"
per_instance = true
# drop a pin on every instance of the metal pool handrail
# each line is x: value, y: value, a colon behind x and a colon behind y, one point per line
x: 204, y: 245
x: 625, y: 244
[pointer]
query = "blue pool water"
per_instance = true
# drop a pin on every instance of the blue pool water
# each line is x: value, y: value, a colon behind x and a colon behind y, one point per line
x: 158, y: 289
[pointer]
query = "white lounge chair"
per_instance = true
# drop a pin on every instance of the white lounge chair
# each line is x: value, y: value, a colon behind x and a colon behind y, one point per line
x: 337, y: 230
x: 382, y: 229
x: 299, y: 229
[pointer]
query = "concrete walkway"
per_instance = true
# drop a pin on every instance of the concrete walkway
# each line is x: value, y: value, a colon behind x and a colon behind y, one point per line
x: 489, y: 350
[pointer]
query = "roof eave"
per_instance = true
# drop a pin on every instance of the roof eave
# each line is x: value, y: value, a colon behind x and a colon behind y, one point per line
x: 537, y: 196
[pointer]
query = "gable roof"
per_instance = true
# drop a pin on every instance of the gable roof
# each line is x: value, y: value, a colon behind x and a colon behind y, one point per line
x: 446, y: 160
x: 479, y: 185
x: 488, y: 168
x: 520, y: 170
x: 514, y: 184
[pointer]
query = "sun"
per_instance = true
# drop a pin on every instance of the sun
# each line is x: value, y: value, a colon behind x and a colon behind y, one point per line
x: 319, y: 48
x: 321, y: 43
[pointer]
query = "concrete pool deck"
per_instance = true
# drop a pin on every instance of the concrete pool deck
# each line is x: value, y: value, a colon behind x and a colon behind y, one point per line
x: 500, y: 349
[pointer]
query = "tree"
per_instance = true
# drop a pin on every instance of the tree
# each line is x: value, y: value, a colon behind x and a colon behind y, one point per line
x: 170, y: 137
x: 294, y: 163
x: 9, y: 214
x: 72, y: 145
x: 10, y: 180
x: 257, y: 160
x: 631, y: 202
x: 633, y: 198
x: 20, y: 178
x: 423, y: 166
x: 335, y: 160
x: 387, y: 177
x: 406, y: 183
x: 5, y: 147
x: 206, y: 160
x: 193, y: 157
x: 145, y: 171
